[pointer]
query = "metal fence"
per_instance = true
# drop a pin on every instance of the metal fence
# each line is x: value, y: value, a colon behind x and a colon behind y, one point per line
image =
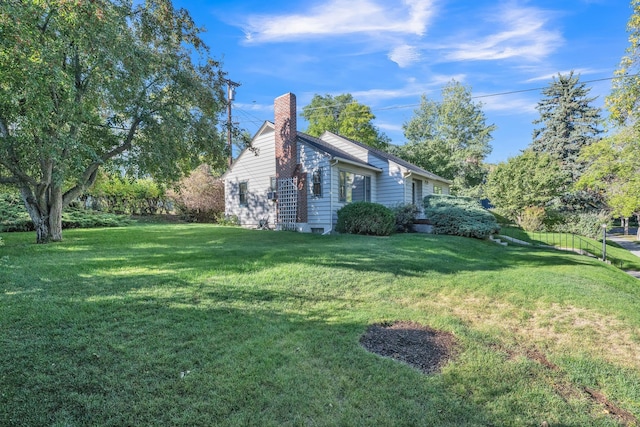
x: 561, y: 241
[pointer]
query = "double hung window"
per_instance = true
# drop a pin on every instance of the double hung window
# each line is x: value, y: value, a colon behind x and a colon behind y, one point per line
x: 354, y: 187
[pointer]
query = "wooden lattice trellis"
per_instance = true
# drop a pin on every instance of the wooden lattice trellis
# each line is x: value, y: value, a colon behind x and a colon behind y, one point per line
x: 287, y: 203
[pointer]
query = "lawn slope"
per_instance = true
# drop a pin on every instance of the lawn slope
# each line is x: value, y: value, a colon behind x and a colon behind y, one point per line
x: 202, y: 325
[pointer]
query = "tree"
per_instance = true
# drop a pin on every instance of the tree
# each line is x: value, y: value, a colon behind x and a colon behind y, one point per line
x: 345, y: 116
x: 568, y: 122
x: 624, y: 100
x: 450, y: 137
x: 529, y: 180
x: 614, y: 171
x: 86, y: 83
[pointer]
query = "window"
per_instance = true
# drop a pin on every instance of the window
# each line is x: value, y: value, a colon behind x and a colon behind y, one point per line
x: 437, y: 189
x: 242, y: 193
x: 316, y: 187
x: 354, y: 187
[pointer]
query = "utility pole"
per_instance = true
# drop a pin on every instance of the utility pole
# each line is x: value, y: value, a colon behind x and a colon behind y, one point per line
x: 231, y: 94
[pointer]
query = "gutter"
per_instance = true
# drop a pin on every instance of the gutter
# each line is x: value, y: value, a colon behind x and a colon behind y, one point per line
x: 351, y: 162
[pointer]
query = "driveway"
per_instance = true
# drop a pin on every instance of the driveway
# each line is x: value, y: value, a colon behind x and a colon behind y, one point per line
x: 626, y: 242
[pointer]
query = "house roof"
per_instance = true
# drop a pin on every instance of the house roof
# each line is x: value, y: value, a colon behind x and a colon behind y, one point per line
x: 387, y: 156
x: 334, y: 152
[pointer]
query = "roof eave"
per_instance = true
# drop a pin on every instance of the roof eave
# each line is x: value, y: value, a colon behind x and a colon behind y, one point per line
x: 361, y: 165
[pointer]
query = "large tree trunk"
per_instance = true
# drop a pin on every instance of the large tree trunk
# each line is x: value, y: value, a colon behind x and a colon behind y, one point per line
x: 638, y: 232
x: 625, y: 224
x: 55, y: 213
x: 45, y: 213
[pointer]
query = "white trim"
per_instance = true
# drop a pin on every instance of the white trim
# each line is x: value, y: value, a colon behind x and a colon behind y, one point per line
x: 361, y: 165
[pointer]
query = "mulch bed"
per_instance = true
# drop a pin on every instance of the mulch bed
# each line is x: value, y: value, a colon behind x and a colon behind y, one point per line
x: 420, y: 346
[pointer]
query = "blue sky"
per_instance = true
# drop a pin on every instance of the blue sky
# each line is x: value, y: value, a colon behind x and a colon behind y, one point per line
x: 387, y: 53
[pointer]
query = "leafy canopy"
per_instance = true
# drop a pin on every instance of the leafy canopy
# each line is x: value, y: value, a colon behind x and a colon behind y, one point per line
x: 88, y: 83
x: 614, y: 170
x: 449, y: 137
x: 530, y: 179
x: 343, y: 115
x: 624, y: 100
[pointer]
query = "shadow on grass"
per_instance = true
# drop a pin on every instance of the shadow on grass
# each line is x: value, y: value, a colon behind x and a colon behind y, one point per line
x: 161, y: 326
x: 146, y: 361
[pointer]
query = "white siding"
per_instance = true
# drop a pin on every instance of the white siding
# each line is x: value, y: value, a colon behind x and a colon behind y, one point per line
x: 318, y: 208
x: 346, y: 146
x: 256, y: 171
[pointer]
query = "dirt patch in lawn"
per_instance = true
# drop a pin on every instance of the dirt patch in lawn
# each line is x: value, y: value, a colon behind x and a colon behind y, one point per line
x: 420, y: 346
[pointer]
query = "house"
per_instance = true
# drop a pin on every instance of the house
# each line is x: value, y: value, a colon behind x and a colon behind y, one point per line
x: 293, y: 181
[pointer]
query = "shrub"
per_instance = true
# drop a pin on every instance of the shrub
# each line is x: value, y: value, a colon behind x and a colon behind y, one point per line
x: 230, y: 220
x: 366, y: 218
x: 200, y: 196
x: 15, y: 218
x: 13, y: 215
x: 459, y: 216
x: 405, y: 216
x: 121, y: 195
x: 588, y: 224
x: 532, y: 218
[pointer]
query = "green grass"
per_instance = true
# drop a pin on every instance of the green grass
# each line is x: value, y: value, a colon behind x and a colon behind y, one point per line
x: 616, y: 255
x: 199, y: 325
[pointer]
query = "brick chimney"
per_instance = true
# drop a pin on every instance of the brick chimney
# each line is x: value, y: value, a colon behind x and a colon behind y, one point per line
x: 286, y: 148
x: 286, y: 134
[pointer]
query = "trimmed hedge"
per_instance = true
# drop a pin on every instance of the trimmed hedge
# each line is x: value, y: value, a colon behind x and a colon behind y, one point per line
x: 459, y: 216
x: 366, y: 218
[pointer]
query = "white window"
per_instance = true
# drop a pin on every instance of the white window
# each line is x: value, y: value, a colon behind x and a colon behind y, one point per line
x: 243, y: 192
x: 354, y: 187
x: 316, y: 184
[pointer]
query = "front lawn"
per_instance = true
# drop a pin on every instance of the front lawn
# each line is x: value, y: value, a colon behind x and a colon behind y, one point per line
x: 199, y: 325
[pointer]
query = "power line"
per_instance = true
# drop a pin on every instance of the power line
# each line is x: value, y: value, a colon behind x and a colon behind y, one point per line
x: 511, y: 92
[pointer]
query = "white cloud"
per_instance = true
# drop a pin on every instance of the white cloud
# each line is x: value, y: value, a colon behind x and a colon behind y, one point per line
x: 340, y: 17
x: 405, y: 55
x: 390, y: 127
x: 550, y: 76
x: 412, y: 89
x: 522, y: 32
x: 510, y: 104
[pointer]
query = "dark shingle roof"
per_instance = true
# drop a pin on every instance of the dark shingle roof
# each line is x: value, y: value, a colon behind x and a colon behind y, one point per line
x: 330, y: 149
x: 387, y: 156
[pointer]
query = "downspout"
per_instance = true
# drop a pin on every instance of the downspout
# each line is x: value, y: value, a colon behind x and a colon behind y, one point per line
x: 331, y: 165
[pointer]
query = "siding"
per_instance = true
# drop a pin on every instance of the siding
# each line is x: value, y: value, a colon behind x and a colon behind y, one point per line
x: 257, y: 171
x: 346, y: 146
x: 318, y: 208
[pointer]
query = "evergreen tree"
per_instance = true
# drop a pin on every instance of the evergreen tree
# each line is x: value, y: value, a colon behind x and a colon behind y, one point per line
x: 569, y: 122
x: 345, y: 116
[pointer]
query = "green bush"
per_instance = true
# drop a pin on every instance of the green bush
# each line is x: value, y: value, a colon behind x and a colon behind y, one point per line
x: 459, y: 216
x: 366, y: 218
x: 405, y: 216
x: 14, y: 217
x: 121, y: 195
x: 588, y: 224
x: 532, y: 218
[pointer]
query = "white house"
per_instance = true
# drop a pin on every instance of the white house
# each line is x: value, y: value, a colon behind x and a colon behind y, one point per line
x: 291, y: 180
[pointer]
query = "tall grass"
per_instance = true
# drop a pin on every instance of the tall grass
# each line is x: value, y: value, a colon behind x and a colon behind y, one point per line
x: 204, y: 325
